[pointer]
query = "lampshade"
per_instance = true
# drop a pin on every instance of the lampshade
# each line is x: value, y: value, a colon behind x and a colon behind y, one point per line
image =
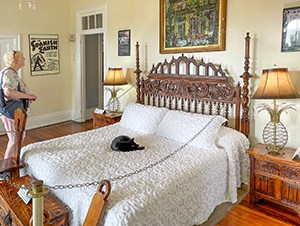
x: 275, y: 84
x: 114, y: 77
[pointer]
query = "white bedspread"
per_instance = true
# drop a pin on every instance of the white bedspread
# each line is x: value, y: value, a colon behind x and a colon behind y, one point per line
x: 183, y: 190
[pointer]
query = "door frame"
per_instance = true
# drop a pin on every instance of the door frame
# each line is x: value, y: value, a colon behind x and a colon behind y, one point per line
x: 16, y: 46
x: 15, y: 38
x: 78, y: 113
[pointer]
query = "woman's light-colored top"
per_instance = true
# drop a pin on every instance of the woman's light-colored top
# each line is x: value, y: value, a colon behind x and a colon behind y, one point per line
x: 11, y: 80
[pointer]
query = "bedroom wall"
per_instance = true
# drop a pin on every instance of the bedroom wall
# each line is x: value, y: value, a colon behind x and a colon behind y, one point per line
x: 56, y: 96
x: 53, y: 91
x: 263, y: 19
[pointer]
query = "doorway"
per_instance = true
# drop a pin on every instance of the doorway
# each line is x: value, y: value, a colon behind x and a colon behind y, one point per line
x: 90, y: 52
x: 93, y: 73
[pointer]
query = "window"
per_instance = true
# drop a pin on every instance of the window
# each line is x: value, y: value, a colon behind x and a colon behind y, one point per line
x: 93, y: 21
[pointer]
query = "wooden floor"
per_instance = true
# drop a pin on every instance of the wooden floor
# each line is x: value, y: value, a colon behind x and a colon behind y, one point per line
x: 240, y: 215
x: 49, y: 132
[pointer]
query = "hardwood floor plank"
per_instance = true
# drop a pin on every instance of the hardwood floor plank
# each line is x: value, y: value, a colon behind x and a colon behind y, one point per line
x: 245, y: 216
x: 49, y: 132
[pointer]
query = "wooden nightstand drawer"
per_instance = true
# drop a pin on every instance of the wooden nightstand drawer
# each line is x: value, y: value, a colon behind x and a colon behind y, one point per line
x: 289, y: 172
x: 100, y: 120
x: 266, y: 167
x: 274, y: 178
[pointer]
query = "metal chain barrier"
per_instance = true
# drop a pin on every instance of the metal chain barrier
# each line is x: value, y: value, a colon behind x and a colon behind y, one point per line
x: 112, y: 179
x: 13, y: 184
x: 95, y: 183
x: 71, y: 186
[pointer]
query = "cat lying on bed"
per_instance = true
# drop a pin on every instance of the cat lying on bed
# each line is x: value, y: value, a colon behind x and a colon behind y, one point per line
x: 125, y: 143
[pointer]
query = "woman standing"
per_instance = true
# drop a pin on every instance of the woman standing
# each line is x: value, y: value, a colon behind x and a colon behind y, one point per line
x: 11, y: 83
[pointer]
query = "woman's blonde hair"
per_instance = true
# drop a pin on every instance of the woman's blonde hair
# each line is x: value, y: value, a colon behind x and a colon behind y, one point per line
x: 9, y: 57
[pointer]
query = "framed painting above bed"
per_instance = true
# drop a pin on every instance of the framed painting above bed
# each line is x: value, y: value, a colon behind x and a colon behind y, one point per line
x: 192, y: 26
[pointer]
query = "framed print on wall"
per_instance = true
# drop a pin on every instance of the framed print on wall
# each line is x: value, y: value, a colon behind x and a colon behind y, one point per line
x: 124, y: 43
x: 291, y: 30
x: 192, y: 25
x: 44, y: 54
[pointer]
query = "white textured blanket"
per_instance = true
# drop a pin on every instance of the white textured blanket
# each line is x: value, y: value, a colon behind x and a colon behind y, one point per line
x: 182, y: 190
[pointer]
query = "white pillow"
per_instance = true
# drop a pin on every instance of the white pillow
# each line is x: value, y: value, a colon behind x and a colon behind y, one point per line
x: 232, y: 139
x: 182, y: 126
x: 142, y: 118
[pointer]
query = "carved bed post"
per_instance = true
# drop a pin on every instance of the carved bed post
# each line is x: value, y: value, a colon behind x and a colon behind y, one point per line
x: 245, y: 124
x: 138, y: 74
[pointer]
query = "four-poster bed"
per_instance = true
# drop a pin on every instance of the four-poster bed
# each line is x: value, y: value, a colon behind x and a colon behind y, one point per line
x: 171, y: 181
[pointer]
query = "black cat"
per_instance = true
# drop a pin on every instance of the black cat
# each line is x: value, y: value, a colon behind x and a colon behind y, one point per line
x: 125, y: 143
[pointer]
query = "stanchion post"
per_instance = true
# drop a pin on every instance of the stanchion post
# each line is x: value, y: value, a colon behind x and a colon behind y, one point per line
x: 37, y: 193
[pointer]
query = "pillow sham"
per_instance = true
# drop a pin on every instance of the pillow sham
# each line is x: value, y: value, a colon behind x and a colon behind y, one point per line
x: 142, y: 118
x: 182, y: 126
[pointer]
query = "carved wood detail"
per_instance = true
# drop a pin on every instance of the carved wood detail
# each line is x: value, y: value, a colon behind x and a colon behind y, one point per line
x: 274, y: 178
x: 138, y: 74
x: 245, y: 123
x: 192, y: 85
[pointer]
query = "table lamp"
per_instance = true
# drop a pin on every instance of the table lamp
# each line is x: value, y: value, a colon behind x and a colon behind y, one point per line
x: 114, y: 77
x: 275, y: 84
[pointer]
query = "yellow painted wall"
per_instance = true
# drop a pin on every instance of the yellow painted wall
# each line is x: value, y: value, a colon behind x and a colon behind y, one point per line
x: 50, y: 17
x: 263, y: 19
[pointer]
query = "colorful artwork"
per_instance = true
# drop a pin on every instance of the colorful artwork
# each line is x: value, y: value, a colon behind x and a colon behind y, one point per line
x: 192, y: 25
x: 291, y: 30
x: 44, y: 54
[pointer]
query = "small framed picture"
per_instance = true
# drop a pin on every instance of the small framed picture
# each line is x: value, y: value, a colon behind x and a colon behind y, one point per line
x: 44, y: 54
x: 124, y: 43
x: 291, y: 30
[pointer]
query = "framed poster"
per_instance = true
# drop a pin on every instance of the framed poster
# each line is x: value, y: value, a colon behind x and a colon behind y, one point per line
x: 192, y: 26
x: 44, y: 54
x: 291, y: 30
x: 124, y: 43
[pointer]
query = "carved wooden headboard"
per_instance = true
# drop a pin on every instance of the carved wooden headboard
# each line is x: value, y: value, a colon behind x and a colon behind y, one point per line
x: 195, y: 86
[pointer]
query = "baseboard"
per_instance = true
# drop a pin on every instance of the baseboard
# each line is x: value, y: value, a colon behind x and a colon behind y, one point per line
x: 47, y: 119
x: 43, y: 120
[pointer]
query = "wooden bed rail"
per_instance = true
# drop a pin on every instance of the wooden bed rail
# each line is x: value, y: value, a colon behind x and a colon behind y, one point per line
x: 200, y: 85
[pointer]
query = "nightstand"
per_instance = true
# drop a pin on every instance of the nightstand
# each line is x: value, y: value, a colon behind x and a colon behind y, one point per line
x: 274, y: 178
x: 100, y: 120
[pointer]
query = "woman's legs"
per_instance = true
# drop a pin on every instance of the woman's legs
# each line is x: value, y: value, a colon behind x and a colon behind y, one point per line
x: 10, y: 130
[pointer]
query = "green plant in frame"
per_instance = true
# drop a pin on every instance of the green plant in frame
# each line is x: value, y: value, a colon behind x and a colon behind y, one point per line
x: 192, y: 25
